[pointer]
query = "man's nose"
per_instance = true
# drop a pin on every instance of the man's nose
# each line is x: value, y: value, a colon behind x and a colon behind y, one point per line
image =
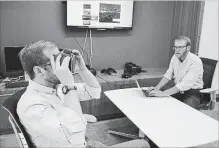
x: 177, y: 50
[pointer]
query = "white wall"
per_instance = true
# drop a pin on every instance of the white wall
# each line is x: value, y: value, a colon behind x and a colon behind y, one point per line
x: 209, y: 35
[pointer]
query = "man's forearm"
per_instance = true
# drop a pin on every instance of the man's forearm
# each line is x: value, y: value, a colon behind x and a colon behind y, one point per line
x: 89, y: 78
x: 171, y: 91
x: 162, y: 82
x: 86, y: 75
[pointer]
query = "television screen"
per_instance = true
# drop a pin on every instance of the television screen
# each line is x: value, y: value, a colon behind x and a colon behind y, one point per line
x: 100, y: 14
x: 12, y: 61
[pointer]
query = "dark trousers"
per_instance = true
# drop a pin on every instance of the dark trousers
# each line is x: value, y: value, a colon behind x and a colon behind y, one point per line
x: 190, y: 97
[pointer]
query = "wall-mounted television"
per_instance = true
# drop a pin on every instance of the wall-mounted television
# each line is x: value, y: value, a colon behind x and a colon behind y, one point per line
x: 100, y: 14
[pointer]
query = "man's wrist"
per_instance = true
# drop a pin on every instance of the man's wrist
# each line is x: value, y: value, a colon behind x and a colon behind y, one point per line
x: 69, y: 83
x: 165, y: 93
x: 157, y: 87
x: 65, y: 88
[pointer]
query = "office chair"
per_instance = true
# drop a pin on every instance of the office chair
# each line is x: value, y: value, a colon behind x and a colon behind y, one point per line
x: 209, y: 93
x: 10, y: 105
x: 24, y: 140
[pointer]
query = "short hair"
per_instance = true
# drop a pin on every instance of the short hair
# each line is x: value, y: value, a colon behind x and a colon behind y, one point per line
x: 185, y: 38
x: 32, y: 55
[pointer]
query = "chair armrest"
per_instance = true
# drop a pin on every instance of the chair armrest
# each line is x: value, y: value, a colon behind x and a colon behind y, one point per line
x: 90, y: 118
x: 209, y: 90
x: 212, y: 92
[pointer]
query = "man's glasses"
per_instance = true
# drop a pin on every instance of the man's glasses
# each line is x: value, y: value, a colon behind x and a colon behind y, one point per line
x: 46, y: 64
x: 178, y: 47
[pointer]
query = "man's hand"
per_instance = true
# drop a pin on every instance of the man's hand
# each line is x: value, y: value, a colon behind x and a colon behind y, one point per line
x: 157, y: 93
x: 62, y: 71
x: 152, y: 88
x: 79, y: 59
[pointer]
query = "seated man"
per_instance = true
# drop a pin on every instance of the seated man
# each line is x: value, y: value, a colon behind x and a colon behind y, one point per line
x: 50, y: 109
x: 186, y: 70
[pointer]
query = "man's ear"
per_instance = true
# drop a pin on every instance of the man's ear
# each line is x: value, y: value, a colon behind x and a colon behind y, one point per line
x: 188, y: 48
x: 38, y: 71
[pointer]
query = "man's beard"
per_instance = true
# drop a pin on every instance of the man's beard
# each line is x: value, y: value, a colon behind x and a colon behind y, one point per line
x: 52, y: 79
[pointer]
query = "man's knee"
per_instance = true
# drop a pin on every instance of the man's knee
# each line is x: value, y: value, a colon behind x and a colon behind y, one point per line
x: 192, y: 101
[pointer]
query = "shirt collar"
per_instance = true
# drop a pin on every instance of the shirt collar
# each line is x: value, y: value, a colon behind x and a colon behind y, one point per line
x: 41, y: 88
x: 186, y: 59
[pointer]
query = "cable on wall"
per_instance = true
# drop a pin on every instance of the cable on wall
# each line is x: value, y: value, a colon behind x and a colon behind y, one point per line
x: 85, y: 42
x: 91, y: 49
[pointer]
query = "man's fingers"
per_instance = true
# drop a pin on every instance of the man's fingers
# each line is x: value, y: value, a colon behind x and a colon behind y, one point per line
x: 152, y: 93
x: 52, y: 61
x: 151, y: 88
x: 75, y: 52
x: 65, y: 62
x: 58, y: 64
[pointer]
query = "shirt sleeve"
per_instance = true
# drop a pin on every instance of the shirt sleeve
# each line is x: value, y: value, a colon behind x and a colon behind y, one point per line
x: 169, y: 72
x: 86, y: 92
x: 191, y: 77
x: 64, y: 127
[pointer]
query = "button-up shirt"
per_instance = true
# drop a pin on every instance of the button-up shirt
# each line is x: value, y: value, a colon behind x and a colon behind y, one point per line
x: 187, y: 74
x: 49, y: 122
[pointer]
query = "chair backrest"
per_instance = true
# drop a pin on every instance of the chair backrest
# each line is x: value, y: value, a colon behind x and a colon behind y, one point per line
x: 10, y: 105
x: 209, y: 66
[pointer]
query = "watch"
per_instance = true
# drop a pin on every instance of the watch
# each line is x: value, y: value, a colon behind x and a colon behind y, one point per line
x: 60, y: 88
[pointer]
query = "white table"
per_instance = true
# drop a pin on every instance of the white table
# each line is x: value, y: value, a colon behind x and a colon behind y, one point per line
x: 166, y: 121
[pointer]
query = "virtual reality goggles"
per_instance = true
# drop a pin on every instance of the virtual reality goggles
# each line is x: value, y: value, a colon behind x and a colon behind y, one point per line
x: 64, y: 53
